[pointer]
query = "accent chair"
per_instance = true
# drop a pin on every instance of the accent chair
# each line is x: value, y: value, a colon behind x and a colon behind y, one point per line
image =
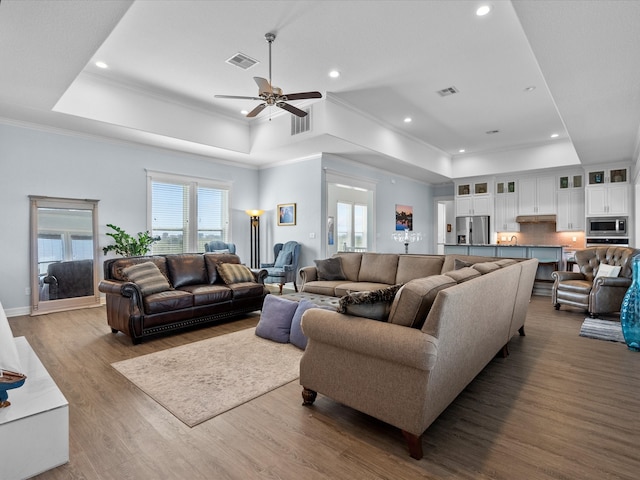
x: 285, y: 267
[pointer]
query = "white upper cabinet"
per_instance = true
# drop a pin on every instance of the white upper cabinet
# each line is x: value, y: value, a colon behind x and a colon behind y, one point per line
x: 607, y: 191
x: 506, y: 206
x: 570, y: 215
x: 474, y: 197
x: 537, y: 196
x: 608, y: 199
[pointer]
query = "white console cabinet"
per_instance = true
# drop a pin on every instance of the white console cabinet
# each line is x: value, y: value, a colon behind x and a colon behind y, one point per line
x: 34, y: 429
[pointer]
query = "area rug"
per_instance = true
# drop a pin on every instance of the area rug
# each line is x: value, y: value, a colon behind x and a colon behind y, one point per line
x: 602, y: 330
x: 198, y: 381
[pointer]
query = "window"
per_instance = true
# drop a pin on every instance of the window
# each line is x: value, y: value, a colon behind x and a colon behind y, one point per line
x: 187, y: 212
x: 352, y: 225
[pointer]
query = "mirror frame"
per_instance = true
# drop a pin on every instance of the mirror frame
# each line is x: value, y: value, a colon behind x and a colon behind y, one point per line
x: 39, y: 307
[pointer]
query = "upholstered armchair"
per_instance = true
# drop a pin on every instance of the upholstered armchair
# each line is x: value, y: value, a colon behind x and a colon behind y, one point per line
x: 285, y: 267
x: 597, y: 288
x: 217, y: 245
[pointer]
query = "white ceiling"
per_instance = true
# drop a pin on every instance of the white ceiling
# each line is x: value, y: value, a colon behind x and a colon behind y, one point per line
x: 167, y: 61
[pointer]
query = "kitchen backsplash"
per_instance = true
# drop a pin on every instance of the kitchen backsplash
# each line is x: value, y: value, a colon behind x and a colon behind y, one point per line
x: 543, y: 234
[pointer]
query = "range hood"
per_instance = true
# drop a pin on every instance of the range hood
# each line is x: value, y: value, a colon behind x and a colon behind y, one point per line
x: 536, y: 219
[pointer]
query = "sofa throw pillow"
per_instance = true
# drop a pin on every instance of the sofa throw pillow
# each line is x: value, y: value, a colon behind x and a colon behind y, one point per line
x: 296, y: 336
x: 375, y: 304
x: 605, y: 270
x: 233, y: 273
x: 284, y: 258
x: 148, y: 277
x: 330, y: 269
x: 458, y: 264
x: 275, y: 319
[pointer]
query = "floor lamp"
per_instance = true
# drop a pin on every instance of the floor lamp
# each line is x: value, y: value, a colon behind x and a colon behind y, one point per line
x: 255, y: 236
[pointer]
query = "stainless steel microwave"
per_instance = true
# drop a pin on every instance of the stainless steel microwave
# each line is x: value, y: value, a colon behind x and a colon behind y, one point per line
x: 607, y: 226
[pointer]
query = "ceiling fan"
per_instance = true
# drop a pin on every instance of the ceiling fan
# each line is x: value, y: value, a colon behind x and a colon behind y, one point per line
x: 270, y: 95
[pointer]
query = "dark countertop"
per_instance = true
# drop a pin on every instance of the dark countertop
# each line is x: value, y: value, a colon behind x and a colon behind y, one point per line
x: 501, y: 245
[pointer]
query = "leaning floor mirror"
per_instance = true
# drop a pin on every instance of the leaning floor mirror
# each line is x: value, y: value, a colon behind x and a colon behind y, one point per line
x: 64, y: 246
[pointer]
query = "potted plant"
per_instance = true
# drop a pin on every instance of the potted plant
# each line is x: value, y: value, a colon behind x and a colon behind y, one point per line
x: 127, y: 245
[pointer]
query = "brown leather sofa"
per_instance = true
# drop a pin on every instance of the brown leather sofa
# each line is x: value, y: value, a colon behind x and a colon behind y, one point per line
x: 595, y: 295
x: 197, y: 294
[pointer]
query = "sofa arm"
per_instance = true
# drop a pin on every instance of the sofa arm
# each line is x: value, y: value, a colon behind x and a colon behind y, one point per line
x: 394, y: 343
x: 308, y: 274
x: 561, y: 276
x: 259, y: 275
x: 611, y: 282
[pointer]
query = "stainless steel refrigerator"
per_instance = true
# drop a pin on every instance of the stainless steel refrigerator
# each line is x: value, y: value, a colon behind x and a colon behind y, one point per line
x: 472, y: 230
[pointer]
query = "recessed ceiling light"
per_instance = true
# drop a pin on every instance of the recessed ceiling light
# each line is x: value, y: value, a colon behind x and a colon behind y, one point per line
x: 492, y: 132
x: 408, y: 120
x: 530, y: 88
x: 244, y: 112
x: 483, y: 10
x: 554, y: 135
x: 101, y: 65
x: 462, y: 150
x: 334, y: 73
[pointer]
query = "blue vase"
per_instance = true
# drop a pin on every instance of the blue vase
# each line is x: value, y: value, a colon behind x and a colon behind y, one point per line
x: 630, y: 310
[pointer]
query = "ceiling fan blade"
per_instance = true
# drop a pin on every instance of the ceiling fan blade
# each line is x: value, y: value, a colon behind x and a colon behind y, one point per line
x: 238, y: 97
x: 292, y: 109
x: 263, y: 85
x: 256, y: 110
x: 302, y: 95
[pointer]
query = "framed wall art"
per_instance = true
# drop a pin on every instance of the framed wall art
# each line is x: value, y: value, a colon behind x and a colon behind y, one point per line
x: 404, y: 217
x: 287, y: 214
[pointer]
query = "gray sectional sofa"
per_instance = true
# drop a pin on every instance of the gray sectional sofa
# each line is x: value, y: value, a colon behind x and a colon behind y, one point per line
x: 445, y: 325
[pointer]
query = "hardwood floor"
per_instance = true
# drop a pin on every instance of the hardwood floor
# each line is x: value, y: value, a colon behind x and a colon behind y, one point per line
x: 559, y: 407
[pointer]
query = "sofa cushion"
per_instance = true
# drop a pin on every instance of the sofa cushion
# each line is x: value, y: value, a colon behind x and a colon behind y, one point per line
x: 505, y: 262
x: 148, y: 277
x: 187, y: 269
x: 348, y: 287
x: 169, y: 300
x: 373, y: 304
x: 330, y: 269
x: 284, y: 258
x: 233, y: 273
x: 322, y: 287
x: 418, y: 266
x: 350, y: 264
x: 463, y: 274
x: 275, y: 319
x: 212, y: 260
x: 121, y: 263
x: 378, y: 268
x: 414, y: 300
x: 486, y: 267
x: 208, y: 294
x: 247, y: 290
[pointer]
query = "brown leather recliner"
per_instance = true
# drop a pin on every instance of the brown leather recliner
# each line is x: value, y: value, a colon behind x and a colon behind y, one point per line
x: 596, y: 295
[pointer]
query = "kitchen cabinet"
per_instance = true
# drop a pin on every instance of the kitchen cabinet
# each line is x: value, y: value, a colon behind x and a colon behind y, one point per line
x: 474, y: 197
x: 506, y: 212
x: 570, y: 181
x: 537, y: 196
x: 570, y: 216
x: 603, y: 175
x: 607, y: 199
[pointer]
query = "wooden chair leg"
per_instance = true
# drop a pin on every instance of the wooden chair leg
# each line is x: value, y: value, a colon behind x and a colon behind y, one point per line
x: 295, y: 287
x: 414, y: 442
x: 281, y: 285
x: 308, y: 396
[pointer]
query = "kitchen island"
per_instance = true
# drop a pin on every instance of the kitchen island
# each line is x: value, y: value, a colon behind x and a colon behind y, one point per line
x: 550, y: 258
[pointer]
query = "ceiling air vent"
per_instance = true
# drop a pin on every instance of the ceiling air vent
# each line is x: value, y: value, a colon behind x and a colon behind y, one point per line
x: 301, y: 124
x: 445, y: 92
x: 241, y: 60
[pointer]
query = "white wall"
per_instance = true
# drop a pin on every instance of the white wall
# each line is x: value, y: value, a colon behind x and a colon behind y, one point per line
x: 57, y: 164
x: 299, y: 183
x: 391, y: 190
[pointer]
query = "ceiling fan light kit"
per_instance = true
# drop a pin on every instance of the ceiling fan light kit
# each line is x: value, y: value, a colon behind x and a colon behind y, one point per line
x: 273, y: 96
